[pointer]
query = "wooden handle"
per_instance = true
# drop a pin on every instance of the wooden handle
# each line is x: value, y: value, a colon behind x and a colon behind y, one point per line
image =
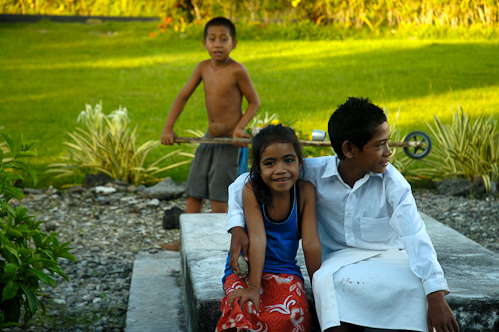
x: 230, y: 140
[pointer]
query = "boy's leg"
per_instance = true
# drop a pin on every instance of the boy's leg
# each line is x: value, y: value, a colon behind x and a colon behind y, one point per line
x: 193, y: 205
x: 218, y: 207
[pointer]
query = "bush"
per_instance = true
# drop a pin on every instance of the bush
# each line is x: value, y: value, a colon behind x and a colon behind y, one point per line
x: 26, y: 252
x: 399, y: 159
x: 465, y: 149
x: 352, y: 13
x: 108, y: 146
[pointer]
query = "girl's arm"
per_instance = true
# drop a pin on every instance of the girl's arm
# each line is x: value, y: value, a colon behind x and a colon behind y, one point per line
x: 311, y: 244
x: 235, y: 222
x: 257, y: 247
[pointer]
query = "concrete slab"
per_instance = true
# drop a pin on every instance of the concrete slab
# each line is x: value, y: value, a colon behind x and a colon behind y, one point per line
x: 471, y: 270
x: 472, y: 273
x: 204, y: 244
x: 155, y: 301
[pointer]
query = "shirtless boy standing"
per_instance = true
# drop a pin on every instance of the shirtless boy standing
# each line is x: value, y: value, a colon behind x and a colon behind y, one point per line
x: 225, y: 83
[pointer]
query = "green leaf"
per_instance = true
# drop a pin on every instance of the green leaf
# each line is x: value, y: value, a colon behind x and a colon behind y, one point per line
x: 37, y: 239
x: 12, y: 232
x: 26, y: 144
x: 11, y: 144
x: 67, y: 255
x: 31, y: 171
x: 10, y: 324
x: 47, y: 253
x: 13, y: 192
x: 33, y: 260
x: 10, y: 290
x: 42, y: 276
x: 6, y: 207
x: 9, y: 272
x: 30, y: 297
x: 60, y: 272
x: 26, y: 154
x: 55, y: 243
x: 11, y: 310
x: 21, y: 212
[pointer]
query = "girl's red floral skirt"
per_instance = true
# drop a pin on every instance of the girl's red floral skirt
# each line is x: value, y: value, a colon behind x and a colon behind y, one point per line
x: 283, y: 306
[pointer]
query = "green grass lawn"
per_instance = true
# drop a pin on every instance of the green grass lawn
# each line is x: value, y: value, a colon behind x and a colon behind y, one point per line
x: 49, y: 71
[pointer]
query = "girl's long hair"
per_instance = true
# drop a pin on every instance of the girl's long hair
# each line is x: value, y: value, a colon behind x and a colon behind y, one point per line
x: 267, y: 136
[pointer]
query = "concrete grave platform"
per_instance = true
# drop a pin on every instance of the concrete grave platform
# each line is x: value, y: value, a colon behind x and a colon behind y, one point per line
x: 471, y: 271
x: 155, y: 302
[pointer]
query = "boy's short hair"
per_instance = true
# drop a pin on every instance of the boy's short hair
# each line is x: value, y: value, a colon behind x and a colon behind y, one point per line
x: 354, y: 121
x: 221, y: 21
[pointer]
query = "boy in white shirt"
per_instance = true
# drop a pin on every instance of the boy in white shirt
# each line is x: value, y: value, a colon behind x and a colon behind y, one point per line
x: 379, y: 268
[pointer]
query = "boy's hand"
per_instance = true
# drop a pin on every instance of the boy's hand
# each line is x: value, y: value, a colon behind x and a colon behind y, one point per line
x: 168, y: 137
x: 238, y: 242
x: 240, y: 133
x: 245, y: 294
x: 440, y: 316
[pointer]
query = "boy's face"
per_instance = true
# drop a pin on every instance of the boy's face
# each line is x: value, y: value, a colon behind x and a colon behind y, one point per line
x: 219, y: 43
x: 375, y: 155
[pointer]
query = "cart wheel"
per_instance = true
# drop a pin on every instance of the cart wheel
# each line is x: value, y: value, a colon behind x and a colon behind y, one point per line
x: 419, y: 151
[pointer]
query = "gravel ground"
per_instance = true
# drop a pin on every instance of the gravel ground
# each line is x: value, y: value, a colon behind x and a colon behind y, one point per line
x: 478, y: 219
x: 106, y: 230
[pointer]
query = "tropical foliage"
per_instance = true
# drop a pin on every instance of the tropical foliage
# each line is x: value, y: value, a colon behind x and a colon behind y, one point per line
x: 258, y: 122
x: 107, y: 145
x: 399, y: 158
x: 26, y: 253
x: 355, y: 13
x: 301, y: 81
x: 465, y: 148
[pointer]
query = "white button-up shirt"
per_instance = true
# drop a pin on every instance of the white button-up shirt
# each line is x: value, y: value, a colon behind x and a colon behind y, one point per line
x: 378, y: 213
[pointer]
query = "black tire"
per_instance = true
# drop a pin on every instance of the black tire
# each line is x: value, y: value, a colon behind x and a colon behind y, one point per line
x: 418, y: 152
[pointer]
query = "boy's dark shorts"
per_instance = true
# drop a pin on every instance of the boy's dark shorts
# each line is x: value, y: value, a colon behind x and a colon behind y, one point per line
x: 213, y: 169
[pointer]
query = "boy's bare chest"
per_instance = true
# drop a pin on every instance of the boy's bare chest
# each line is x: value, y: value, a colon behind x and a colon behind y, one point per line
x: 222, y: 81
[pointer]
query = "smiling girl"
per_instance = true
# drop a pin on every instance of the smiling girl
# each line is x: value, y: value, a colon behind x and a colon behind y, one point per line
x: 279, y: 210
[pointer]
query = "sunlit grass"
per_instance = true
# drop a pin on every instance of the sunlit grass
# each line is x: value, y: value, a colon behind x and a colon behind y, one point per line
x: 48, y: 72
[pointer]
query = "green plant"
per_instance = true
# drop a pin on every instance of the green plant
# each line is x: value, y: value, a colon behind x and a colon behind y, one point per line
x: 299, y: 84
x: 399, y: 159
x: 3, y: 147
x: 108, y: 146
x: 465, y: 149
x: 258, y: 122
x: 26, y: 252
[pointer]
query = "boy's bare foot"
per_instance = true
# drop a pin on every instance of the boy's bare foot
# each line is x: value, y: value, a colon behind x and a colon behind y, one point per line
x: 172, y: 246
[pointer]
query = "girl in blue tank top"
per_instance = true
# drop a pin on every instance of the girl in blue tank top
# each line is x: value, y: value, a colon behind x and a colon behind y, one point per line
x: 279, y: 211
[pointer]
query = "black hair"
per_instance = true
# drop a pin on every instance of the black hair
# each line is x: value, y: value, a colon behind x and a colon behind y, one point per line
x: 356, y: 121
x: 221, y: 21
x: 265, y: 137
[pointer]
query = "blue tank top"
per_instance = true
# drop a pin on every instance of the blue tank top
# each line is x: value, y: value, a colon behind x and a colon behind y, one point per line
x: 282, y: 243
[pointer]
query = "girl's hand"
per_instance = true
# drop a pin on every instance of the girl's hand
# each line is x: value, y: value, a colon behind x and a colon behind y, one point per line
x: 239, y: 242
x: 245, y: 294
x: 440, y: 316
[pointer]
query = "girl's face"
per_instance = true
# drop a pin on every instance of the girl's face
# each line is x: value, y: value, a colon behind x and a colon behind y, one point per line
x: 279, y: 166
